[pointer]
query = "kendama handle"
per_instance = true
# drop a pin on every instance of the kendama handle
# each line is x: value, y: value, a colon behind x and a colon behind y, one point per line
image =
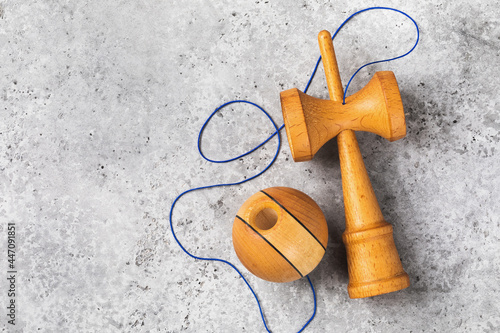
x: 373, y: 261
x: 361, y: 206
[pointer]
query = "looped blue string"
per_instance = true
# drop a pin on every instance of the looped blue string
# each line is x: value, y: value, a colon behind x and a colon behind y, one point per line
x: 235, y: 183
x: 200, y: 134
x: 370, y: 63
x: 277, y: 132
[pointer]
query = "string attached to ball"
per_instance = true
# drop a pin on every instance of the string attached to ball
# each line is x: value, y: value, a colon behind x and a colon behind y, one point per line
x: 275, y: 133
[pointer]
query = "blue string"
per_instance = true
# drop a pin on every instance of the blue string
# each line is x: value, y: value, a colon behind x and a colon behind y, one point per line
x: 200, y: 134
x: 229, y: 184
x: 277, y: 132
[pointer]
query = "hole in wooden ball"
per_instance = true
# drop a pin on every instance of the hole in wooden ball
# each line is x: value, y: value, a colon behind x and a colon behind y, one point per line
x: 266, y: 218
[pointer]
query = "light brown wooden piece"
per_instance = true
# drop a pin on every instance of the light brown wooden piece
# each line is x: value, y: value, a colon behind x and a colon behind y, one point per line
x: 373, y: 261
x: 311, y: 122
x: 377, y: 108
x: 280, y: 234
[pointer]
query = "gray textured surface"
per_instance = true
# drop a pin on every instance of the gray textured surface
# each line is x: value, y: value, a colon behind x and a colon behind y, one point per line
x: 100, y: 107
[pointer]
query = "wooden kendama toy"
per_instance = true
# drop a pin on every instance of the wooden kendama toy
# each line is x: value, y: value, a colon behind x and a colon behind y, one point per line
x: 280, y: 234
x: 373, y: 261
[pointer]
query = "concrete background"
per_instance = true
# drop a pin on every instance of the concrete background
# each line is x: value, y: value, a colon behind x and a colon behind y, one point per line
x: 100, y: 107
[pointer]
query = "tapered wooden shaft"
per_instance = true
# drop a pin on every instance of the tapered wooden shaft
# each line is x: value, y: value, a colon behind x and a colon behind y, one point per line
x: 373, y: 261
x: 361, y: 205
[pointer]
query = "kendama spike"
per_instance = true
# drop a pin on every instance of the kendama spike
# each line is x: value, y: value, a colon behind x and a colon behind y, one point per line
x: 373, y: 261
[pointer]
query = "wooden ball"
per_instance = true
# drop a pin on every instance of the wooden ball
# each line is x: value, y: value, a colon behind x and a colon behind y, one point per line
x: 280, y: 234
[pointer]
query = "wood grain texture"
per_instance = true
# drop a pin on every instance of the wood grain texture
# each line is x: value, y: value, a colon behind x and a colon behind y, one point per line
x: 294, y: 244
x: 373, y: 261
x: 311, y: 122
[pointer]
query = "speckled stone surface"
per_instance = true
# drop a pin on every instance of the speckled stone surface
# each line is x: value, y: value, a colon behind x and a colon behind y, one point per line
x: 100, y: 107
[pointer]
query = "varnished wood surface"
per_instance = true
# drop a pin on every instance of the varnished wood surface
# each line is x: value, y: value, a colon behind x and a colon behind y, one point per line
x: 310, y: 122
x: 292, y: 241
x: 377, y: 108
x: 373, y: 261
